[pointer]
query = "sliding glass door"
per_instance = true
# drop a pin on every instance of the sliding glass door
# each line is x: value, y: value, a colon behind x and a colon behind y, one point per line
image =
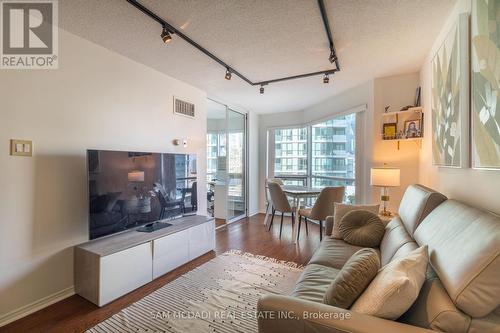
x: 226, y: 163
x: 236, y: 160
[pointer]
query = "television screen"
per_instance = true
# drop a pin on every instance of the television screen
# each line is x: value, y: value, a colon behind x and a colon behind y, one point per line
x: 130, y: 189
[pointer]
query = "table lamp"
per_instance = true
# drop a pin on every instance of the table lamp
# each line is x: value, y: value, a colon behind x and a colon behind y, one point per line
x: 385, y: 178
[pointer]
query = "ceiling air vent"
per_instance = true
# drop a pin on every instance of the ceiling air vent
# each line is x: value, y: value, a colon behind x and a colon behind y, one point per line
x: 183, y: 108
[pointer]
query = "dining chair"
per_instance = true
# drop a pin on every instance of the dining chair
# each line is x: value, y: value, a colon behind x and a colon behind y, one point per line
x: 280, y: 203
x: 322, y: 208
x: 274, y: 180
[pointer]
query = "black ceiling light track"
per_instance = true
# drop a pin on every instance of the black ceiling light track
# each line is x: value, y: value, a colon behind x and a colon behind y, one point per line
x: 168, y: 29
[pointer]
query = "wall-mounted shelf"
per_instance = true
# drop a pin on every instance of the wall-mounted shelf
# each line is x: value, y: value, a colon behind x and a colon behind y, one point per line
x: 404, y: 125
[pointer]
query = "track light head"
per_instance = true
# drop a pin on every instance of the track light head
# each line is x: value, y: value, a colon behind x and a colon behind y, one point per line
x: 228, y: 74
x: 332, y: 56
x: 326, y: 79
x: 261, y: 89
x: 165, y: 36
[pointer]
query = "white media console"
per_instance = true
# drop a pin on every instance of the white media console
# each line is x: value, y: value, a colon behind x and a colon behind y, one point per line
x: 110, y: 267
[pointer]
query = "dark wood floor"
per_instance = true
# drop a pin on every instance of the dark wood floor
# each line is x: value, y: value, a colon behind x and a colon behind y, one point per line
x: 75, y: 314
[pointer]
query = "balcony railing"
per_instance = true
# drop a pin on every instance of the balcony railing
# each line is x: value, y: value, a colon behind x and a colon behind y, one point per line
x: 322, y: 181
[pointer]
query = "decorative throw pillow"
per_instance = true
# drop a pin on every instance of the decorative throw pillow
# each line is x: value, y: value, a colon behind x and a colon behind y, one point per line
x: 362, y: 228
x: 395, y: 287
x: 342, y: 209
x: 353, y: 278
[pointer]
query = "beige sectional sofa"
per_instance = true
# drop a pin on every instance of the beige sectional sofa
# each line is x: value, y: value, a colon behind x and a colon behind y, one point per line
x: 461, y: 292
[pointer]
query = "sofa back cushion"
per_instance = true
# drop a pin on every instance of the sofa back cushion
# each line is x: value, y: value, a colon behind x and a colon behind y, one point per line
x: 396, y: 239
x: 434, y: 309
x: 418, y: 201
x: 464, y: 250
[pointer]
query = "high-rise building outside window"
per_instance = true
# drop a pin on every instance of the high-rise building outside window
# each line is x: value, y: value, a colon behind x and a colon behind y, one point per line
x: 319, y: 155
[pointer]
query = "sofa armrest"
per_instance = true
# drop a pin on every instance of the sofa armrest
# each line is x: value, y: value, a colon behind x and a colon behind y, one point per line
x: 328, y: 225
x: 278, y: 313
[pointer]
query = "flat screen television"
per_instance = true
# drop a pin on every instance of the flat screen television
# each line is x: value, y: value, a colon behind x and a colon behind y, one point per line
x: 129, y: 189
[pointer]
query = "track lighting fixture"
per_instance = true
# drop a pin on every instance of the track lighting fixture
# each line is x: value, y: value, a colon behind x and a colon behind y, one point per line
x: 228, y: 74
x: 165, y: 36
x: 332, y: 57
x: 168, y: 30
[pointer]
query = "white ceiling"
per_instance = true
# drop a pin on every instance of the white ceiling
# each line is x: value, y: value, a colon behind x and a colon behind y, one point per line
x: 265, y: 39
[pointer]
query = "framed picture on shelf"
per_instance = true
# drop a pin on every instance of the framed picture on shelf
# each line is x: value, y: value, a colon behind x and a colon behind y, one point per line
x: 413, y: 129
x: 390, y: 131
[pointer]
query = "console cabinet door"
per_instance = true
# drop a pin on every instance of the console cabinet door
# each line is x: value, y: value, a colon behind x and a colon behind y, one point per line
x: 124, y: 271
x: 201, y: 239
x: 170, y: 252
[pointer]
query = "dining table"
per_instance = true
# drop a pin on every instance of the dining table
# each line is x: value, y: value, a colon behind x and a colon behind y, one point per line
x: 297, y: 193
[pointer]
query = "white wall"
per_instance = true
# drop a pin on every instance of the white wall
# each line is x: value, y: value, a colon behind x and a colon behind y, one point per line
x: 396, y: 91
x: 476, y: 187
x: 253, y: 163
x: 96, y: 99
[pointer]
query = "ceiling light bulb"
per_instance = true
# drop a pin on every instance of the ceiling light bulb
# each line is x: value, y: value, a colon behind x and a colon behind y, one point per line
x: 261, y: 90
x: 165, y: 36
x: 326, y: 79
x: 228, y: 74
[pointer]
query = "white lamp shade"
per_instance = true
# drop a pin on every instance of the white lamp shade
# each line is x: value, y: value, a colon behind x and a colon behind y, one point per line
x: 387, y: 177
x: 136, y: 176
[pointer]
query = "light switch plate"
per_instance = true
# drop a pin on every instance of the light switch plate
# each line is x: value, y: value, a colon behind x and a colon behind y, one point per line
x: 21, y: 148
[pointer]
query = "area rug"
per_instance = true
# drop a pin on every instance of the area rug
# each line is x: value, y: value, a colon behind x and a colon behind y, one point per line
x: 218, y: 296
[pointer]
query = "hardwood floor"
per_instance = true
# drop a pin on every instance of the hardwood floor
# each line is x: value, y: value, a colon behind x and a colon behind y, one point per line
x: 76, y: 314
x: 219, y: 222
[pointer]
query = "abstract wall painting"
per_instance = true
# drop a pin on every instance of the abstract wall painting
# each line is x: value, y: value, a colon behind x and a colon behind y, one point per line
x: 485, y: 72
x: 450, y: 98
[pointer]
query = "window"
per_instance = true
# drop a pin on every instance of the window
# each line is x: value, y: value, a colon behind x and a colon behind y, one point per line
x: 216, y: 147
x: 290, y: 151
x: 326, y: 157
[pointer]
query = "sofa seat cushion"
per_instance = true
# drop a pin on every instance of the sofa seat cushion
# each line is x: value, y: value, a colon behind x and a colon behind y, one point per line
x: 313, y: 282
x: 489, y: 323
x: 333, y: 253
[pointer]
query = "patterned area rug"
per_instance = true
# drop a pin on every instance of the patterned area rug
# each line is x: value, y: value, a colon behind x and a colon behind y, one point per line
x: 218, y: 296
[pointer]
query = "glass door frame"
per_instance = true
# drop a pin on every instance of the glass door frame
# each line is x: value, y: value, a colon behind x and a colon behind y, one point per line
x: 244, y: 165
x: 245, y: 162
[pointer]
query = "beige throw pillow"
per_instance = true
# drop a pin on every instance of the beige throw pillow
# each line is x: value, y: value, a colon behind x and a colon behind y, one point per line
x: 395, y: 287
x: 342, y: 209
x: 353, y: 278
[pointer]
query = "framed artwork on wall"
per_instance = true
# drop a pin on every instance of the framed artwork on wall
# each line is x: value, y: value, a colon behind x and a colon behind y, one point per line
x: 450, y: 98
x: 485, y: 72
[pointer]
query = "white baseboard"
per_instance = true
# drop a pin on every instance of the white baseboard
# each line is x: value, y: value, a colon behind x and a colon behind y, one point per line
x: 36, y: 305
x: 253, y: 213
